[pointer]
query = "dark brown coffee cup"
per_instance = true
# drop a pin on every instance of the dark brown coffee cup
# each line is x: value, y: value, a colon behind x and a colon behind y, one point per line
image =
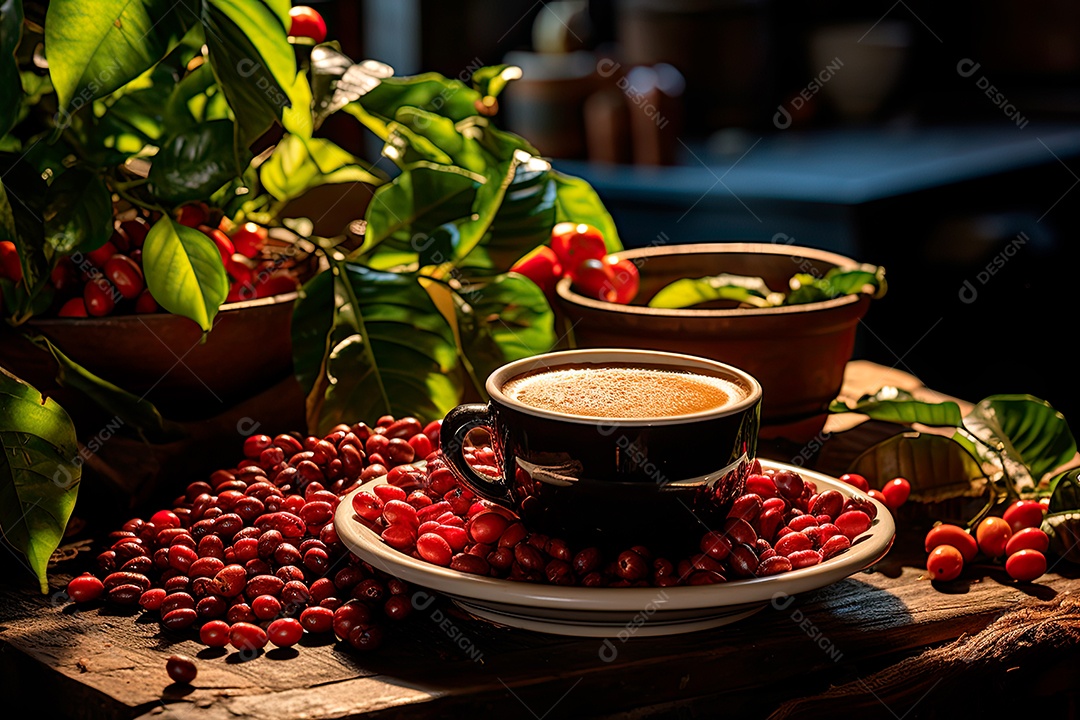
x: 660, y: 481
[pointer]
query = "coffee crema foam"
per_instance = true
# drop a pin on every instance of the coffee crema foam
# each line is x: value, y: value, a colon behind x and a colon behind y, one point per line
x: 611, y: 391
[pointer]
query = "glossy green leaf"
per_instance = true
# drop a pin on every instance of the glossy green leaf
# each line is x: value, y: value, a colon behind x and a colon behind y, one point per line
x: 96, y: 47
x: 386, y: 349
x: 490, y: 200
x: 838, y: 281
x: 1063, y: 529
x: 256, y: 66
x: 191, y: 165
x: 430, y: 92
x: 578, y: 202
x: 337, y: 81
x: 40, y: 470
x: 491, y: 80
x: 688, y: 292
x: 415, y: 203
x: 187, y: 98
x: 131, y: 411
x: 503, y: 319
x: 297, y: 165
x: 1065, y: 492
x: 464, y: 150
x: 500, y: 144
x: 184, y: 271
x: 140, y: 106
x: 78, y: 212
x: 11, y: 88
x: 937, y: 467
x: 525, y: 215
x: 1030, y: 437
x: 894, y: 405
x: 805, y: 289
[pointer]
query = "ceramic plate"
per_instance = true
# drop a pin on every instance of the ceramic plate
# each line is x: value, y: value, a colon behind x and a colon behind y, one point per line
x: 603, y: 612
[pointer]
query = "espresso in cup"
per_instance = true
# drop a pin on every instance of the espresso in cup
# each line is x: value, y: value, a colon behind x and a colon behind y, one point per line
x: 613, y: 447
x: 623, y: 390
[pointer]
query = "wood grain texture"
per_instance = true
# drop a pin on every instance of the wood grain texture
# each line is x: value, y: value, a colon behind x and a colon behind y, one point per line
x: 57, y: 660
x: 102, y: 664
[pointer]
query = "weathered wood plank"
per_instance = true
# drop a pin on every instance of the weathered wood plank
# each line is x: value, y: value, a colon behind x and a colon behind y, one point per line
x: 114, y: 663
x: 102, y: 664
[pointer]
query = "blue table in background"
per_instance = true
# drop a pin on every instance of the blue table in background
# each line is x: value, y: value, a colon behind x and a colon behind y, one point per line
x: 974, y: 225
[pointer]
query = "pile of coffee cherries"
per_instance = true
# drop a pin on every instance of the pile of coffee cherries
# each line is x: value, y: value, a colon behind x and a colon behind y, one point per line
x: 251, y: 556
x: 109, y: 280
x: 1015, y: 536
x: 781, y: 523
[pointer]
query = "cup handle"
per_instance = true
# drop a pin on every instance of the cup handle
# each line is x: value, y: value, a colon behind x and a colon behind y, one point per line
x: 455, y: 427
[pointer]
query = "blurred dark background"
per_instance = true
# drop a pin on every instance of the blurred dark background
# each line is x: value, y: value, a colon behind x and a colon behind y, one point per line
x: 940, y: 140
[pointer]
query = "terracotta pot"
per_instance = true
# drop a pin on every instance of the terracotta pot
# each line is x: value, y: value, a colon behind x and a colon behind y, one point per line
x: 797, y: 353
x: 161, y: 356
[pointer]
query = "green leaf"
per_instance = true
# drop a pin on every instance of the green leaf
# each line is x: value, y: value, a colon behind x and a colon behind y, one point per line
x: 191, y: 165
x: 11, y: 88
x: 937, y: 467
x: 40, y: 470
x: 140, y: 106
x: 491, y: 80
x: 297, y: 165
x: 1063, y: 529
x: 256, y: 67
x: 415, y: 203
x: 578, y: 202
x: 179, y: 114
x: 503, y: 319
x: 78, y: 212
x: 96, y: 47
x: 687, y: 292
x: 385, y: 350
x: 894, y: 405
x: 837, y: 281
x: 489, y: 201
x: 525, y: 216
x: 1029, y: 433
x: 137, y: 413
x: 337, y: 81
x: 464, y: 150
x: 1065, y: 492
x: 184, y: 271
x: 805, y: 289
x: 430, y: 92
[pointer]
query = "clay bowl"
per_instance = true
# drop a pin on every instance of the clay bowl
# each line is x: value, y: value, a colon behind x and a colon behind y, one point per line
x: 160, y: 356
x: 798, y: 353
x: 165, y: 358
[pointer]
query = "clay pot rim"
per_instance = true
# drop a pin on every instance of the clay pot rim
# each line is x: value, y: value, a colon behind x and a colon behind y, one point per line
x: 567, y: 294
x: 227, y: 308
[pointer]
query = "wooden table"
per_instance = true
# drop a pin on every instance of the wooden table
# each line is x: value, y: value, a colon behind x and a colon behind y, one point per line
x: 883, y: 643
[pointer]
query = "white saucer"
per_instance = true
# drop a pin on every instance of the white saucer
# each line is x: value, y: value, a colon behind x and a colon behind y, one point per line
x: 605, y: 612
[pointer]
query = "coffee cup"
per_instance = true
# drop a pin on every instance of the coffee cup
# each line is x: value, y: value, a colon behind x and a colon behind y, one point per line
x: 613, y: 446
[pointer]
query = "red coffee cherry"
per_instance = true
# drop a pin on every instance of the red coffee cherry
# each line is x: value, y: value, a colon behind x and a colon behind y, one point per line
x: 85, y: 588
x: 181, y: 668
